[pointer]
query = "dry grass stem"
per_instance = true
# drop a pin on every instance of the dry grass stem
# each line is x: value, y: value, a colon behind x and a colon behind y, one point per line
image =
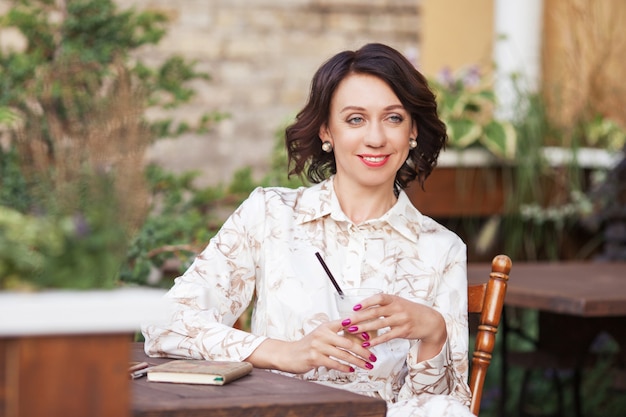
x: 84, y: 132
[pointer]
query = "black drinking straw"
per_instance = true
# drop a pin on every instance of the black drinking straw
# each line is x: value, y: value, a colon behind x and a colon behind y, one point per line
x: 330, y: 275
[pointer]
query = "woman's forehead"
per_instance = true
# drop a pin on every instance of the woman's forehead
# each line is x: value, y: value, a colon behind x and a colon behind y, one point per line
x: 364, y: 90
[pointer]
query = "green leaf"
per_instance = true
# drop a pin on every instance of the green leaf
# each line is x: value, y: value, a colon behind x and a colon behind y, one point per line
x: 7, y: 116
x: 463, y: 132
x: 500, y: 138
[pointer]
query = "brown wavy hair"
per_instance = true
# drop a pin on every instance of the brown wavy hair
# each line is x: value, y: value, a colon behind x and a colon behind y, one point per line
x: 410, y: 86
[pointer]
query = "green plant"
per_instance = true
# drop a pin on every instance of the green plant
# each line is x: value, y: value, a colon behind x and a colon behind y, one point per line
x: 546, y: 200
x: 72, y: 107
x: 466, y: 103
x: 179, y: 224
x: 6, y: 116
x: 184, y: 217
x: 48, y: 252
x: 546, y: 212
x: 25, y: 242
x: 603, y: 132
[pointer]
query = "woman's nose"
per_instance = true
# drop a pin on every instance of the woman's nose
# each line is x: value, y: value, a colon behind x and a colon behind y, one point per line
x: 375, y: 136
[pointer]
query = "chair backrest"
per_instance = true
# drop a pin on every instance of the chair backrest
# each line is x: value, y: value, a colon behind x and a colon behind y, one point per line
x: 486, y: 299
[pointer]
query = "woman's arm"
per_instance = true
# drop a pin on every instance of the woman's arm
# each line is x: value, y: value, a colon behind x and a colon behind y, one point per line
x: 446, y: 372
x: 215, y: 290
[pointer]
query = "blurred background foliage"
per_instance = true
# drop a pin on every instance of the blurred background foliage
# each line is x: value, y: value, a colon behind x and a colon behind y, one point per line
x: 74, y: 128
x: 74, y: 135
x: 466, y: 102
x: 184, y: 217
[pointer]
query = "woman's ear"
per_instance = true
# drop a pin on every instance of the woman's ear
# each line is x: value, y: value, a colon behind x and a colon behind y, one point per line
x: 414, y: 131
x: 325, y: 135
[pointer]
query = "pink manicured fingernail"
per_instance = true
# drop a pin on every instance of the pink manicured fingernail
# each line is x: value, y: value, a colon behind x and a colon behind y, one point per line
x: 351, y: 369
x: 369, y: 365
x: 353, y: 329
x: 357, y: 307
x: 365, y: 344
x: 373, y: 358
x: 364, y: 335
x: 346, y: 322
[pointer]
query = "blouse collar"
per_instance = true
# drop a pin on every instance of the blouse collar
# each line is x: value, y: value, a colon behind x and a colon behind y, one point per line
x: 320, y: 200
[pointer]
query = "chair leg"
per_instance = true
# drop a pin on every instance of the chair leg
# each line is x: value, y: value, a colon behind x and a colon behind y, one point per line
x: 559, y: 392
x: 522, y: 395
x: 577, y: 381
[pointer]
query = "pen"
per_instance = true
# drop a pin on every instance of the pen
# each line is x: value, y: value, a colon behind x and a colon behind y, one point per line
x: 138, y: 370
x: 138, y: 374
x: 137, y: 366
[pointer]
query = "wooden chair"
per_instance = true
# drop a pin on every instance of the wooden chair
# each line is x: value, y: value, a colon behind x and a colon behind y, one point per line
x: 486, y: 299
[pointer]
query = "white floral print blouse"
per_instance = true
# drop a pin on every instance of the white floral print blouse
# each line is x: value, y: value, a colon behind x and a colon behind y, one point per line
x: 265, y: 253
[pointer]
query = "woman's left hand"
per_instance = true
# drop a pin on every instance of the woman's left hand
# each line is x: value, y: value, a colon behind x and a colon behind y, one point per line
x: 404, y: 319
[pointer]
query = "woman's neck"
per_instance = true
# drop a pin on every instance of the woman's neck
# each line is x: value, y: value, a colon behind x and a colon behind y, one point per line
x: 361, y: 203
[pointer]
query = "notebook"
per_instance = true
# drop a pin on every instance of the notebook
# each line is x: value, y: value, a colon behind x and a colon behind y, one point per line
x: 192, y: 371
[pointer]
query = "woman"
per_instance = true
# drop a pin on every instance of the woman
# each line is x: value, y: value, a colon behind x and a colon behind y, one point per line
x: 369, y: 128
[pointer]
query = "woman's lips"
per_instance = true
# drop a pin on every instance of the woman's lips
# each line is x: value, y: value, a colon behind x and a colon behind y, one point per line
x: 374, y: 160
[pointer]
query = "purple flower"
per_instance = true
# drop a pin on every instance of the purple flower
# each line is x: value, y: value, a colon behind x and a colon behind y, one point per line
x: 446, y: 78
x: 81, y: 226
x: 472, y: 76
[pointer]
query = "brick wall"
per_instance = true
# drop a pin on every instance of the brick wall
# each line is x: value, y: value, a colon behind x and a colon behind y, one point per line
x: 261, y: 55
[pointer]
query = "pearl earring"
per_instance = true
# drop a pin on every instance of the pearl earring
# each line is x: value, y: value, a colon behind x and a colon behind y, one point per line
x: 412, y: 143
x: 327, y: 147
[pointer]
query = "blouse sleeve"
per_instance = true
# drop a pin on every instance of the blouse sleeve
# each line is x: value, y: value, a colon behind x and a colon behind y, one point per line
x: 446, y: 373
x: 216, y: 289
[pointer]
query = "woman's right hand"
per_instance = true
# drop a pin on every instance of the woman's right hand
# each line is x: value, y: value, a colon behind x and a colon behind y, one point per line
x: 322, y: 347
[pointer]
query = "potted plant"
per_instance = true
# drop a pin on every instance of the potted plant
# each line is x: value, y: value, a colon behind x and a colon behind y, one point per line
x: 557, y: 167
x: 468, y: 180
x: 466, y: 103
x: 63, y: 315
x: 528, y: 177
x: 72, y: 196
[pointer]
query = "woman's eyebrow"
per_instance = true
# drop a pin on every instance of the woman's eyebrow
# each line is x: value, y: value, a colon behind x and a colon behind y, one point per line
x: 351, y: 108
x: 358, y: 108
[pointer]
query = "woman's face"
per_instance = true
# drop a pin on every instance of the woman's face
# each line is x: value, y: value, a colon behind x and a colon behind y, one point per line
x: 369, y: 130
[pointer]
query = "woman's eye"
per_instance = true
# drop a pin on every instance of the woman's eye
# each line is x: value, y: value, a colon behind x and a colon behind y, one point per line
x: 355, y: 120
x: 396, y: 118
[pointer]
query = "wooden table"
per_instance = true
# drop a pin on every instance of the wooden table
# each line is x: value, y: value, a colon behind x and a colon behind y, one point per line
x: 587, y: 289
x: 575, y: 300
x: 260, y: 394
